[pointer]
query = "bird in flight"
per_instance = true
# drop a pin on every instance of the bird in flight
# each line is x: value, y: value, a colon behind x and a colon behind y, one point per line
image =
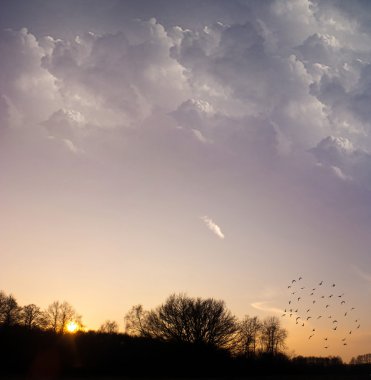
x: 333, y: 285
x: 300, y: 278
x: 320, y: 283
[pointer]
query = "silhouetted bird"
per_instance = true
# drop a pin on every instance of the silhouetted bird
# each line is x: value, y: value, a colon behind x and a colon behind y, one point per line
x: 327, y: 306
x: 311, y: 336
x: 335, y: 328
x: 320, y: 283
x: 334, y: 321
x: 314, y: 301
x: 309, y: 311
x: 350, y: 331
x: 331, y: 295
x: 299, y: 298
x: 345, y: 314
x: 308, y: 318
x: 320, y: 316
x: 300, y: 278
x: 325, y: 338
x: 326, y: 347
x: 293, y: 281
x: 358, y: 326
x: 342, y: 302
x: 333, y: 285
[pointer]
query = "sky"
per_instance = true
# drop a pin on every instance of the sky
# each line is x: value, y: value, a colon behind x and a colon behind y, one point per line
x: 219, y: 148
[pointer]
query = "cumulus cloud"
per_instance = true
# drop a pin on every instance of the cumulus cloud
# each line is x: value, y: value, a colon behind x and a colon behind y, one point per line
x: 212, y: 226
x: 264, y: 86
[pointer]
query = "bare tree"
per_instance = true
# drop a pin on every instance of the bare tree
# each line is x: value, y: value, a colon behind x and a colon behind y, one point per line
x: 249, y: 330
x: 66, y: 314
x: 273, y: 336
x: 10, y: 311
x: 185, y: 319
x: 136, y: 322
x: 32, y: 316
x: 58, y: 315
x: 109, y: 327
x: 52, y: 316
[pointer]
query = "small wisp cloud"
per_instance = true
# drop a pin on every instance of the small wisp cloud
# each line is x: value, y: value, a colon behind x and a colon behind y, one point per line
x: 212, y: 226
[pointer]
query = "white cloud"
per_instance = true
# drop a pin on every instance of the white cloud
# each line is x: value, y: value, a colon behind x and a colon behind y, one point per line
x: 212, y: 226
x: 264, y: 306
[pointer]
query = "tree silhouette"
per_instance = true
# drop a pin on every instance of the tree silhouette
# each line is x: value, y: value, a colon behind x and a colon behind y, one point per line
x: 58, y: 315
x: 32, y: 316
x: 109, y: 327
x: 136, y: 322
x: 249, y: 330
x: 9, y: 310
x: 187, y: 320
x: 272, y: 336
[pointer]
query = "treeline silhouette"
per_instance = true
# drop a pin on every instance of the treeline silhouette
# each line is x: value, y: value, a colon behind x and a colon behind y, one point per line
x: 184, y: 336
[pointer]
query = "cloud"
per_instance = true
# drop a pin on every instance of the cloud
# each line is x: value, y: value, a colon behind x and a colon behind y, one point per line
x: 362, y: 274
x: 264, y: 306
x: 260, y: 88
x: 212, y: 226
x: 341, y: 158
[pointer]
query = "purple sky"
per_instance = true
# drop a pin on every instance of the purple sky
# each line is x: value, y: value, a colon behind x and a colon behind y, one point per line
x: 217, y: 148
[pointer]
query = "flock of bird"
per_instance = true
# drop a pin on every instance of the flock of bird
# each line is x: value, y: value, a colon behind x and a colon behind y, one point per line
x: 321, y: 304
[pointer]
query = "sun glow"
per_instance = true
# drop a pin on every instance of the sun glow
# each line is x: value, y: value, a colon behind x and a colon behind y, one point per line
x: 72, y: 327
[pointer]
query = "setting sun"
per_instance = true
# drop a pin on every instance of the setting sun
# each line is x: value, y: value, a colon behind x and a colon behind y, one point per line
x: 72, y: 327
